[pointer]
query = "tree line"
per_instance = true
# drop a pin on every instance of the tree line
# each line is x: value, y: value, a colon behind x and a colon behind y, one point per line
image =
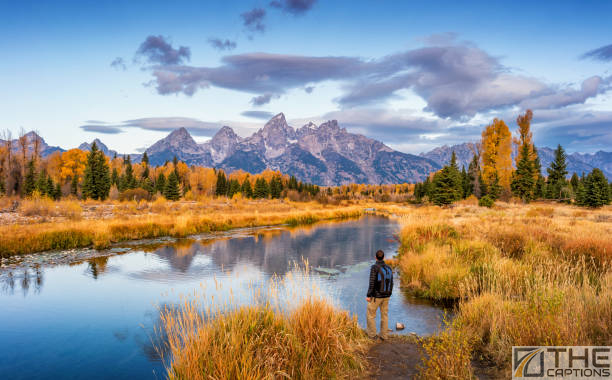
x: 92, y: 175
x: 491, y: 174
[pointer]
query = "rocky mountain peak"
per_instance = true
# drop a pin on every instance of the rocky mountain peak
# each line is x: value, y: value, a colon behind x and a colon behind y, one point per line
x: 222, y: 144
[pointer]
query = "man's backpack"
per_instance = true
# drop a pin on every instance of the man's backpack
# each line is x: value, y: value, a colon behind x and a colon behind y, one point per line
x: 385, y: 280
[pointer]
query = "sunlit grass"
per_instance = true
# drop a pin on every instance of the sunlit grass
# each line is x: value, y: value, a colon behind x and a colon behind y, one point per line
x: 287, y: 330
x: 132, y: 220
x: 520, y: 275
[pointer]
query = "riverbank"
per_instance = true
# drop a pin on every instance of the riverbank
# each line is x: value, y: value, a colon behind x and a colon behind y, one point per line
x: 134, y: 221
x: 519, y: 275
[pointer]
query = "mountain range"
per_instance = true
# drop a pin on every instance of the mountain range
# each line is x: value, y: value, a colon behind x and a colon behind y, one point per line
x: 325, y: 154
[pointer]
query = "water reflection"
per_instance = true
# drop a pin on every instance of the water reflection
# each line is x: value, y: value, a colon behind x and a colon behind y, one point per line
x: 28, y: 281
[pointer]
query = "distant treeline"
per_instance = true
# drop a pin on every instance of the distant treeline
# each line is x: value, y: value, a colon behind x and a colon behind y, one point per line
x: 492, y: 175
x: 92, y: 175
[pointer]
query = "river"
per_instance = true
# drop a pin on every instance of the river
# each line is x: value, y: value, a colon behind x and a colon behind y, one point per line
x: 95, y: 318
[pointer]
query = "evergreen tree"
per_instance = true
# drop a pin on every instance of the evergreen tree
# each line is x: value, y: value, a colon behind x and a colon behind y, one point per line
x: 147, y: 184
x: 172, y: 190
x: 524, y: 178
x: 556, y: 174
x: 128, y: 181
x: 276, y: 187
x: 494, y: 189
x: 160, y: 183
x: 447, y: 185
x: 145, y: 159
x: 261, y: 188
x: 246, y: 188
x: 597, y: 190
x: 540, y: 188
x: 474, y: 176
x: 57, y: 194
x: 50, y: 187
x: 29, y: 183
x: 292, y: 183
x: 233, y: 187
x: 574, y: 181
x: 74, y: 185
x: 581, y: 195
x: 115, y: 177
x: 96, y: 177
x: 222, y: 185
x: 41, y: 183
x: 465, y: 183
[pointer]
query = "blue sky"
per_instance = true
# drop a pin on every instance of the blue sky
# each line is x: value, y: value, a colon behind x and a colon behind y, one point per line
x: 412, y: 74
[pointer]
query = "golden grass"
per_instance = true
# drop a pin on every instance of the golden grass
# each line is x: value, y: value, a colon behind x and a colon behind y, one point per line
x: 521, y: 275
x: 265, y: 340
x: 140, y: 220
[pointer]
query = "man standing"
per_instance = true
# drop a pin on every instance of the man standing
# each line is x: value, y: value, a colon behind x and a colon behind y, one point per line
x: 379, y: 291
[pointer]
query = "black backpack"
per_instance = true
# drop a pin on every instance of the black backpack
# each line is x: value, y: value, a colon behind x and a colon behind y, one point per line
x: 385, y: 280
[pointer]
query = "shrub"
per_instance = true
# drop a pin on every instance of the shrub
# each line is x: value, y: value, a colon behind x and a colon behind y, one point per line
x: 486, y: 201
x: 134, y: 195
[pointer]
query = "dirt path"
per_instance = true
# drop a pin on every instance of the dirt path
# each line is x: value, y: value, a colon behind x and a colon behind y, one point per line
x: 395, y: 358
x: 398, y: 358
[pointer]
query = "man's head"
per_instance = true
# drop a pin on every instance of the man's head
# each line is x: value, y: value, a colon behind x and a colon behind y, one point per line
x: 380, y: 255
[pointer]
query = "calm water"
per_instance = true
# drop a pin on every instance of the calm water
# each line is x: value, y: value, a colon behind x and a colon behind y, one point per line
x: 95, y: 319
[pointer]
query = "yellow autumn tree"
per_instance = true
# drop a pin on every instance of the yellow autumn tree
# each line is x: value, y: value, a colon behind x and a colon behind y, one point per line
x: 496, y: 154
x: 73, y: 163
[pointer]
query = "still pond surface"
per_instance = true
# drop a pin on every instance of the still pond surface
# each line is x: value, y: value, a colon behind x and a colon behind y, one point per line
x: 95, y: 318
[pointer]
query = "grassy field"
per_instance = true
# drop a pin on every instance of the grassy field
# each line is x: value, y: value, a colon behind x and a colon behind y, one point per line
x: 519, y: 275
x: 42, y: 224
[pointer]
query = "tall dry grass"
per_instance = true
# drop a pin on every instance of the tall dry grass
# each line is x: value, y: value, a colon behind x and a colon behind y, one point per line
x: 267, y: 339
x: 520, y: 275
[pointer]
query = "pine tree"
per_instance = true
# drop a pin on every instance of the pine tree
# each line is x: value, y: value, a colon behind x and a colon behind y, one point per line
x: 246, y: 188
x: 160, y: 183
x: 147, y: 184
x: 523, y: 181
x: 465, y: 183
x: 447, y: 184
x: 292, y: 183
x: 275, y: 187
x: 145, y: 159
x: 74, y: 185
x: 597, y: 190
x: 128, y: 180
x: 50, y: 187
x: 222, y: 185
x: 41, y: 183
x: 581, y: 196
x: 474, y: 176
x: 57, y: 194
x: 261, y: 188
x: 96, y: 177
x: 29, y: 183
x: 115, y: 177
x: 233, y: 187
x: 556, y: 174
x: 172, y: 190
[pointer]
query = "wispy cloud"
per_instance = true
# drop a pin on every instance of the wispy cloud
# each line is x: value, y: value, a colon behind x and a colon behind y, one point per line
x: 295, y: 7
x: 261, y: 99
x: 157, y: 50
x: 221, y: 44
x: 119, y: 64
x: 603, y: 53
x: 263, y: 115
x: 253, y: 20
x: 100, y: 128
